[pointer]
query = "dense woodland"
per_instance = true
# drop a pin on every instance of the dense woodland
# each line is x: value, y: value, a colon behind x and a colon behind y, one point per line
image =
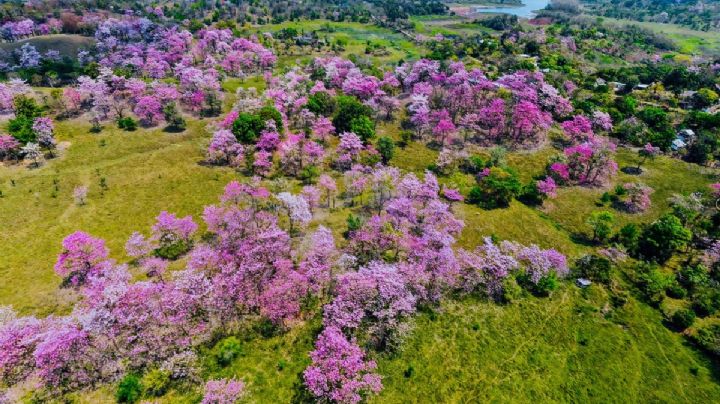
x: 281, y: 201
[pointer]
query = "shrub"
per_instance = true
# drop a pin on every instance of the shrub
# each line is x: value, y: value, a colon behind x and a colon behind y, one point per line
x: 496, y: 189
x: 651, y: 283
x: 708, y: 338
x: 706, y: 302
x: 321, y: 103
x: 349, y: 108
x: 247, y: 127
x: 309, y: 174
x: 127, y: 124
x: 682, y: 318
x: 543, y: 287
x: 629, y: 236
x: 363, y: 126
x: 173, y: 251
x: 662, y: 238
x: 176, y: 123
x: 227, y: 350
x: 386, y: 147
x: 156, y: 382
x: 593, y: 267
x: 601, y: 224
x: 129, y: 390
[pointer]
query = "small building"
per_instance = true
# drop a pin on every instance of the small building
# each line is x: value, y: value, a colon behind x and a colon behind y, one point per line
x: 617, y: 86
x: 583, y: 283
x: 642, y: 86
x: 688, y: 135
x: 678, y: 144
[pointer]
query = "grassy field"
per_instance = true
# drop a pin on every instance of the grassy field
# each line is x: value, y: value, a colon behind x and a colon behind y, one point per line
x: 574, y: 346
x: 145, y: 171
x: 356, y: 35
x: 689, y: 41
x: 67, y: 45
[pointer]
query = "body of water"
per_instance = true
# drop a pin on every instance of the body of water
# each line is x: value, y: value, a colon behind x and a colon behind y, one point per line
x: 527, y: 10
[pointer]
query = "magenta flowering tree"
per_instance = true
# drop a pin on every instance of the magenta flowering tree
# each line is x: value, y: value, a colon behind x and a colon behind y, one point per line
x: 443, y: 130
x: 547, y: 187
x: 328, y: 187
x: 149, y: 110
x: 9, y: 147
x: 375, y: 301
x: 297, y: 209
x: 637, y: 198
x: 83, y: 256
x: 339, y: 371
x: 578, y: 129
x: 225, y: 149
x: 348, y: 150
x: 647, y: 152
x: 529, y: 123
x: 589, y: 163
x: 602, y: 121
x: 18, y: 339
x: 485, y: 268
x: 172, y: 235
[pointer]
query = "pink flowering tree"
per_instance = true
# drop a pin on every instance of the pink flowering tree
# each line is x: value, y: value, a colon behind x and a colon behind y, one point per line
x: 578, y: 129
x: 647, y: 152
x: 637, y: 197
x: 339, y: 371
x: 172, y: 236
x: 83, y: 256
x: 589, y: 163
x: 149, y: 110
x: 223, y: 391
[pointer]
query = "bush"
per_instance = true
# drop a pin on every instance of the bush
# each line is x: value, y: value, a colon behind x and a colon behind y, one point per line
x: 247, y: 127
x: 309, y: 174
x: 682, y: 318
x: 227, y: 350
x: 156, y: 382
x: 321, y: 103
x: 708, y: 338
x: 173, y: 251
x: 651, y: 283
x: 386, y: 148
x: 543, y: 287
x: 496, y: 190
x: 129, y: 390
x: 629, y: 236
x: 706, y: 302
x: 349, y: 108
x: 693, y: 277
x: 662, y: 238
x: 127, y: 124
x: 176, y: 123
x: 363, y: 126
x: 593, y: 267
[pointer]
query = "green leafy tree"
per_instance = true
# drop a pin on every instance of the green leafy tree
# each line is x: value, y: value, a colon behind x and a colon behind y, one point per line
x: 497, y: 189
x: 386, y: 147
x: 363, y: 127
x: 601, y: 224
x: 662, y: 238
x: 349, y: 108
x: 247, y: 127
x: 322, y: 103
x: 129, y: 390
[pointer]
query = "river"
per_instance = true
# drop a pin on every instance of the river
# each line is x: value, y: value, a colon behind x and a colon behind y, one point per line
x: 527, y: 10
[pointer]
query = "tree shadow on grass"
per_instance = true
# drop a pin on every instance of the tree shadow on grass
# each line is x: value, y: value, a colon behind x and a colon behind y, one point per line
x: 582, y: 239
x: 631, y: 170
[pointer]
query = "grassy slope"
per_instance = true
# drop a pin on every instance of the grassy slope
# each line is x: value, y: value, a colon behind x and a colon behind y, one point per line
x: 146, y: 172
x: 538, y: 349
x: 67, y: 45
